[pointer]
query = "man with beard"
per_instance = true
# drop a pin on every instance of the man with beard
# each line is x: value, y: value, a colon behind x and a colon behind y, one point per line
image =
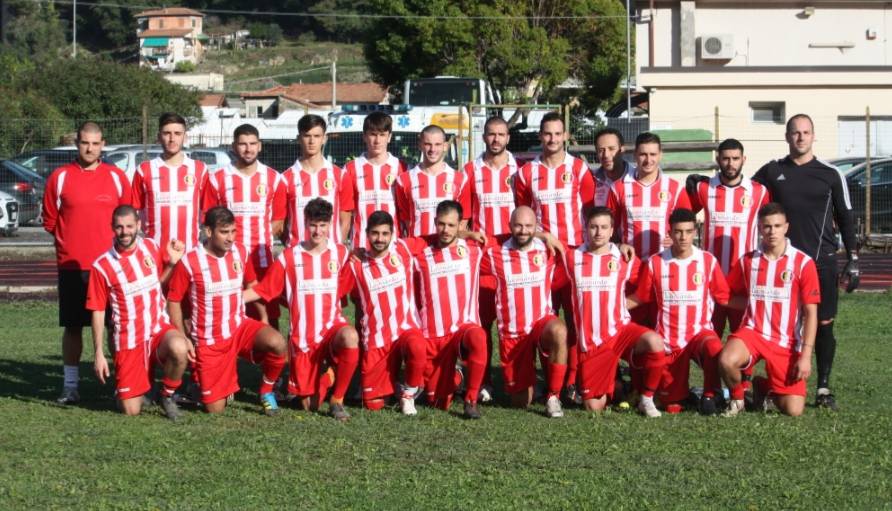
x: 609, y: 145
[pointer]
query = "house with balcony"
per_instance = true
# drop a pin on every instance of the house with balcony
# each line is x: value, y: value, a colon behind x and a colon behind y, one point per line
x: 169, y: 36
x: 273, y: 102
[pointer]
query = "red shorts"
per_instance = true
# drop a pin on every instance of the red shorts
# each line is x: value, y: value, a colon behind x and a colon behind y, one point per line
x: 307, y: 366
x: 597, y: 366
x: 380, y: 367
x: 442, y: 354
x: 273, y: 310
x: 132, y: 376
x: 780, y: 363
x: 674, y: 385
x: 217, y: 363
x: 518, y: 357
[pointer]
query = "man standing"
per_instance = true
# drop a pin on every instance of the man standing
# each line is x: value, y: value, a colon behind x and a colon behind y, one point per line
x: 599, y: 277
x: 778, y: 286
x: 814, y: 195
x: 448, y: 272
x: 212, y: 276
x: 685, y: 282
x: 129, y: 277
x: 370, y: 179
x: 79, y: 199
x: 491, y: 182
x: 390, y: 330
x: 256, y: 196
x: 168, y: 188
x: 524, y: 269
x: 610, y: 146
x: 310, y: 177
x: 314, y: 275
x: 730, y: 202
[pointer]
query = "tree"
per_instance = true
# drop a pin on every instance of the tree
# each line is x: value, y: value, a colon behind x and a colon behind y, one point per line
x: 269, y: 33
x: 34, y: 30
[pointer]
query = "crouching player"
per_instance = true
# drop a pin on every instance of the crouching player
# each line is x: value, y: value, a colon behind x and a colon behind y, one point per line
x: 599, y: 275
x: 211, y: 276
x: 390, y: 332
x: 448, y: 269
x: 314, y: 276
x: 524, y: 268
x: 685, y: 282
x: 129, y: 277
x: 778, y: 286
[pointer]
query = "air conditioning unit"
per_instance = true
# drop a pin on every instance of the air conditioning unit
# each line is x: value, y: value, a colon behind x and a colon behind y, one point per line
x: 717, y: 47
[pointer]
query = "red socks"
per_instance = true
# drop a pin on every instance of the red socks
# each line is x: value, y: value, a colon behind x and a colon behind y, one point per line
x: 271, y: 366
x: 168, y: 386
x: 348, y: 359
x: 414, y: 353
x: 654, y: 362
x: 556, y: 375
x: 474, y: 342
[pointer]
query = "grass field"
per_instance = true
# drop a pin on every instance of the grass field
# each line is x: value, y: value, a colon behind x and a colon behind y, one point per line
x: 91, y: 457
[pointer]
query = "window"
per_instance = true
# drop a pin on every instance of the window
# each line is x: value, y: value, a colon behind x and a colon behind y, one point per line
x: 259, y: 111
x: 193, y: 23
x: 160, y: 23
x: 768, y: 111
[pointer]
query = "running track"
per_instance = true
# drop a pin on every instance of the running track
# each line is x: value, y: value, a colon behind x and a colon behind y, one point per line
x: 876, y: 273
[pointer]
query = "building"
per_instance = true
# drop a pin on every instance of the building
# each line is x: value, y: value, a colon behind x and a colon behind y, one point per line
x: 273, y: 102
x: 206, y: 82
x: 169, y: 36
x: 741, y: 68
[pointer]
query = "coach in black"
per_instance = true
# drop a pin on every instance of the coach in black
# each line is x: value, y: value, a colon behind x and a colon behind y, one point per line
x: 815, y: 194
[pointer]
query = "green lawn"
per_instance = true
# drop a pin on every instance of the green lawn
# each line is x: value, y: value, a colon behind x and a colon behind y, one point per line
x: 91, y: 457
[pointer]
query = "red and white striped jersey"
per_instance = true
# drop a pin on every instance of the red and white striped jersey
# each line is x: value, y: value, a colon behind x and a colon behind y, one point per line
x: 129, y: 282
x: 558, y: 196
x: 302, y: 186
x: 449, y: 284
x: 418, y: 194
x: 641, y: 212
x: 685, y: 291
x: 603, y: 183
x: 492, y: 196
x: 256, y: 201
x: 598, y: 284
x: 313, y: 286
x: 214, y: 288
x: 777, y: 291
x: 385, y: 289
x: 524, y: 282
x: 369, y: 188
x: 170, y: 199
x: 730, y: 225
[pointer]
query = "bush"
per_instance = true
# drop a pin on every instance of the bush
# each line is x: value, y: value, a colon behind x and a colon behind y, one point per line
x: 184, y: 66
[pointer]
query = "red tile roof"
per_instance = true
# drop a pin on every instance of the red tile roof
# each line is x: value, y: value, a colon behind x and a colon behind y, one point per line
x: 216, y: 100
x: 320, y: 93
x: 166, y: 32
x: 169, y: 11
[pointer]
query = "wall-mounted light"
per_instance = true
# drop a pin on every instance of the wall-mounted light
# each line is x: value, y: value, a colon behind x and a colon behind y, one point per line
x: 808, y: 11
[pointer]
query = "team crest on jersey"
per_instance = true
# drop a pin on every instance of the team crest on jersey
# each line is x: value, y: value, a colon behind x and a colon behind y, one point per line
x: 538, y: 259
x: 394, y: 260
x: 148, y: 263
x: 447, y: 187
x: 663, y: 196
x: 261, y: 190
x: 332, y: 266
x: 508, y: 181
x: 389, y: 179
x: 189, y: 179
x: 461, y: 251
x: 745, y: 201
x: 566, y: 177
x: 612, y: 265
x: 328, y: 184
x: 237, y: 266
x: 697, y: 278
x: 786, y: 276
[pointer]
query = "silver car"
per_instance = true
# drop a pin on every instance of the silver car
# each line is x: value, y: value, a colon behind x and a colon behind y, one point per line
x: 129, y: 157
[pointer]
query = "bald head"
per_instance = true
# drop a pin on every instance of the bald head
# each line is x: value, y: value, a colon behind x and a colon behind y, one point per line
x: 523, y: 226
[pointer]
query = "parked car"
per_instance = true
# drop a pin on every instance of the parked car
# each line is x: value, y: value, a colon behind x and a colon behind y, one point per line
x: 44, y: 161
x: 127, y: 158
x: 9, y: 214
x: 27, y: 188
x: 880, y: 193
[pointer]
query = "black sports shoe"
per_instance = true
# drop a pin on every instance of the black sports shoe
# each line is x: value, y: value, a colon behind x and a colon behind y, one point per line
x: 171, y: 410
x: 471, y: 411
x: 707, y: 405
x: 826, y: 401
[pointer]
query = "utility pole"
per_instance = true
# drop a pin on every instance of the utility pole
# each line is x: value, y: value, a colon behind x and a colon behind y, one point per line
x: 628, y: 61
x: 334, y: 84
x: 74, y: 29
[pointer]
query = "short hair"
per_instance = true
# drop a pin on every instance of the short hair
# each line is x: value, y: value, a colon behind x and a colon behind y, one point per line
x: 772, y: 208
x: 310, y: 121
x: 218, y: 216
x: 377, y: 121
x: 245, y: 129
x: 681, y: 215
x: 551, y: 117
x: 88, y: 127
x: 447, y: 206
x: 730, y: 144
x: 648, y: 137
x: 494, y: 120
x: 170, y: 118
x: 124, y: 210
x: 432, y: 128
x: 379, y: 218
x: 599, y: 211
x: 318, y: 210
x: 610, y: 131
x: 796, y: 117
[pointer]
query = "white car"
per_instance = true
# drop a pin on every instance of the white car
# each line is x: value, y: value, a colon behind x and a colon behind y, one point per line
x: 9, y: 214
x: 127, y: 158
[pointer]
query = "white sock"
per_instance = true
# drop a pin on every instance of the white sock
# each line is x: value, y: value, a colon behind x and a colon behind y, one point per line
x: 410, y: 391
x: 71, y: 376
x: 823, y: 391
x: 647, y: 399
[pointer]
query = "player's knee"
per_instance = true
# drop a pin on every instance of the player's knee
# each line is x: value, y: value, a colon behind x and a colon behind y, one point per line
x: 274, y: 341
x: 652, y: 342
x: 349, y: 337
x: 792, y: 406
x: 556, y: 331
x: 178, y: 349
x: 598, y: 404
